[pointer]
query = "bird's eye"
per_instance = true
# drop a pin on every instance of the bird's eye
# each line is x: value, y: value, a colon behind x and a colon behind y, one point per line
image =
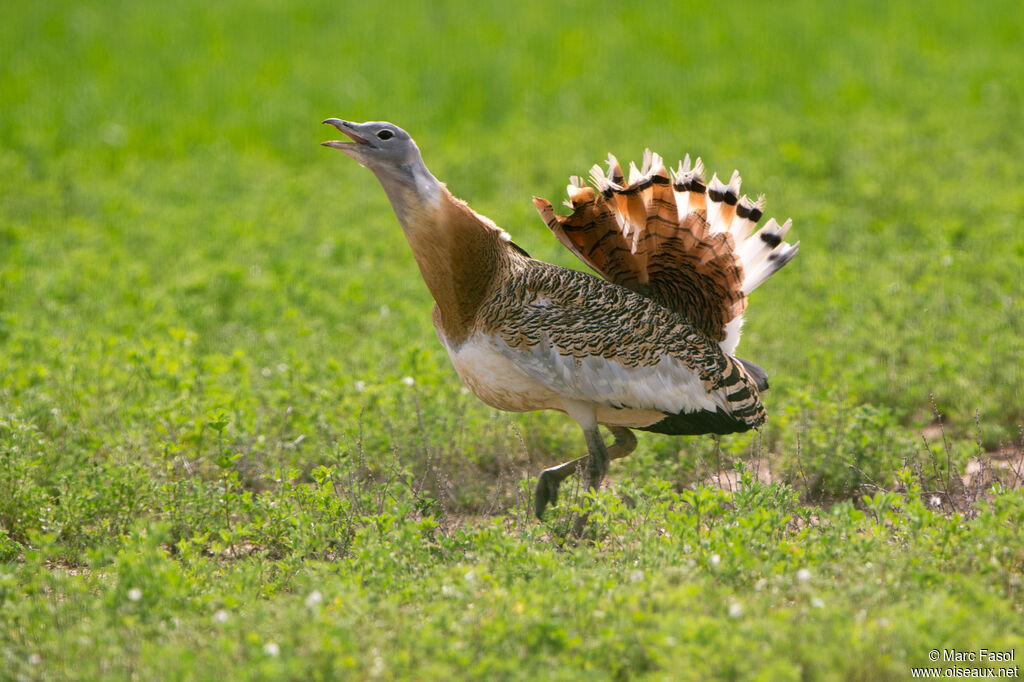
x: 385, y: 134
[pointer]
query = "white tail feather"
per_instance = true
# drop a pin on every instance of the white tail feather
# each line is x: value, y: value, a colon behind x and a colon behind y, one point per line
x: 747, y: 214
x: 764, y: 253
x: 692, y: 201
x: 716, y: 188
x: 634, y: 173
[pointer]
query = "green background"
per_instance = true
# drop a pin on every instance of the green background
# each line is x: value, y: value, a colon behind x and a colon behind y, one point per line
x: 207, y: 322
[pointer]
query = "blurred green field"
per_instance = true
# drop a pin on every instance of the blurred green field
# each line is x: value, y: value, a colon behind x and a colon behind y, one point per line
x: 220, y: 387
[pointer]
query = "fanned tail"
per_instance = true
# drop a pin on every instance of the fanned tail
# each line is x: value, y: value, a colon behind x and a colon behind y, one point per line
x: 672, y: 236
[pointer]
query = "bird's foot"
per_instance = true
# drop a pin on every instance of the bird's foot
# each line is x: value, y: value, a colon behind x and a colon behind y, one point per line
x: 547, y: 490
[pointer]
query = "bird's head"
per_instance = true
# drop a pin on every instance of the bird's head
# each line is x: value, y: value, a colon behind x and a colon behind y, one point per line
x: 378, y: 145
x: 394, y: 158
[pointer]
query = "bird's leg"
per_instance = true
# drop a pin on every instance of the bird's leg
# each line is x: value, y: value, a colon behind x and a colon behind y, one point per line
x: 596, y: 468
x: 597, y: 459
x: 550, y: 479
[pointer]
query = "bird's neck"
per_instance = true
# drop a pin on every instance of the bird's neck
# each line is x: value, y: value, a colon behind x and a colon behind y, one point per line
x: 459, y: 252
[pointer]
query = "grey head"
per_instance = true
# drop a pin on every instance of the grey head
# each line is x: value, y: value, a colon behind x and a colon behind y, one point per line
x: 391, y: 154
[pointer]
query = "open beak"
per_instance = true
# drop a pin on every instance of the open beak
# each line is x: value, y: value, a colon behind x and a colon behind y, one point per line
x: 346, y: 128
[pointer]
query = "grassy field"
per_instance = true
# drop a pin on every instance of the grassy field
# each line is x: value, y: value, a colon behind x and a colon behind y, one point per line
x: 232, y: 448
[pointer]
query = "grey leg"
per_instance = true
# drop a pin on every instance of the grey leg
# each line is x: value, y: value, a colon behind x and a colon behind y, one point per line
x: 597, y: 462
x: 550, y: 479
x: 597, y: 467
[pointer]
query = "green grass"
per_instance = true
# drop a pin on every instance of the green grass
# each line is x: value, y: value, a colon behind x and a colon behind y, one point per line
x: 212, y: 465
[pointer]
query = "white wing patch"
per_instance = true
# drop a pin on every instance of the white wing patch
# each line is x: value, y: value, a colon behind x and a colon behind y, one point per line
x: 732, y: 335
x: 669, y: 386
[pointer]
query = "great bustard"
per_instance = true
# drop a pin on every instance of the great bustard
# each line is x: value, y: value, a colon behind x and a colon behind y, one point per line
x: 649, y: 347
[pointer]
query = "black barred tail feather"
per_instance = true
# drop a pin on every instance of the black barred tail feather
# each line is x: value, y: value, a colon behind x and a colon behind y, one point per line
x: 672, y: 236
x: 745, y: 410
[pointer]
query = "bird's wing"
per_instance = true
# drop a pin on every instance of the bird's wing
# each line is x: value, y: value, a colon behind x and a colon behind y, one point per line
x: 592, y: 341
x: 672, y: 239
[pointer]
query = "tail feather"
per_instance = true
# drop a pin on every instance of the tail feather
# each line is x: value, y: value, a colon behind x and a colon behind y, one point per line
x: 747, y: 214
x: 765, y: 253
x: 672, y: 236
x: 722, y: 205
x: 690, y: 187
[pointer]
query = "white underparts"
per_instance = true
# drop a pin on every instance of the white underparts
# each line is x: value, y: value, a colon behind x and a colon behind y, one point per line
x: 541, y: 378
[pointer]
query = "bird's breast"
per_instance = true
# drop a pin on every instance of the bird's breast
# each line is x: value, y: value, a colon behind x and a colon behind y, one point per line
x: 495, y: 379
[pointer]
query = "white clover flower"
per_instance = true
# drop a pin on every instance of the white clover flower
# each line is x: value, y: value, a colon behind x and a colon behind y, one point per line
x: 803, y: 575
x: 360, y: 386
x: 714, y: 560
x: 135, y: 594
x: 377, y: 668
x: 735, y: 610
x: 271, y: 649
x: 221, y: 616
x: 314, y: 598
x: 408, y: 381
